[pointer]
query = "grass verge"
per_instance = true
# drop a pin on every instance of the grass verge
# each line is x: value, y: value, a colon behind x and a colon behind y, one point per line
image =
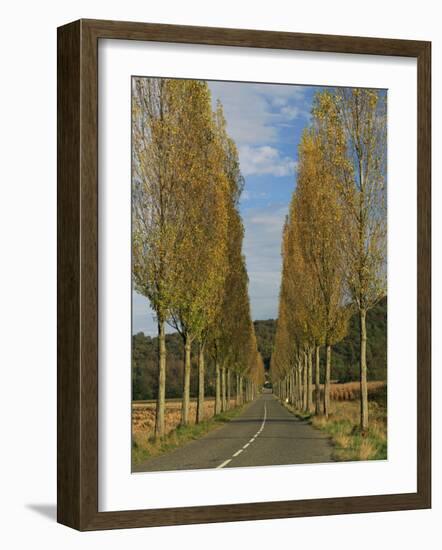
x: 343, y: 427
x: 144, y: 448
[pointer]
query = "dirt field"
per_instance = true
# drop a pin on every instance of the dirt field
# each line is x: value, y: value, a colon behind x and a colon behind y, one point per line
x: 143, y: 415
x: 143, y: 412
x: 351, y: 390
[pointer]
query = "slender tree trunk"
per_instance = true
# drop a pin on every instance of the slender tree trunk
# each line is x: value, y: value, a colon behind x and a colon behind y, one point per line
x: 218, y: 387
x: 294, y: 386
x: 223, y: 389
x: 301, y: 385
x: 327, y: 381
x: 161, y: 397
x: 228, y: 389
x: 305, y: 383
x: 363, y: 371
x: 317, y: 382
x: 309, y: 382
x: 298, y: 387
x: 238, y: 401
x: 293, y: 396
x: 241, y: 395
x: 200, y: 402
x: 186, y: 381
x: 288, y: 386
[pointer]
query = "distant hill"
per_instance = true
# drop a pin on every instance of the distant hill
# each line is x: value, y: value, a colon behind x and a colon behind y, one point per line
x: 144, y: 367
x: 345, y: 356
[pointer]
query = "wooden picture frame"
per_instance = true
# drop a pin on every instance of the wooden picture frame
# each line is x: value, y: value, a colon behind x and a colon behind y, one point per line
x: 77, y: 226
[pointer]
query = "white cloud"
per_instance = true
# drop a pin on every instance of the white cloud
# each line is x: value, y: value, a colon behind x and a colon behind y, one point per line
x: 255, y: 111
x: 265, y: 160
x: 262, y: 249
x: 290, y: 112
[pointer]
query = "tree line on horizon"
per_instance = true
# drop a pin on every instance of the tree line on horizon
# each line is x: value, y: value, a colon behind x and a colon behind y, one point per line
x: 345, y: 356
x: 187, y: 237
x: 333, y: 245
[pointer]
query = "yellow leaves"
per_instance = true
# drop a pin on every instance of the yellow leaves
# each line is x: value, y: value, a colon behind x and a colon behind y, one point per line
x: 334, y: 240
x: 187, y: 232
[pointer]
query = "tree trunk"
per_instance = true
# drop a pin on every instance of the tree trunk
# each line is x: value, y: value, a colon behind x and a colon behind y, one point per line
x: 161, y: 397
x: 327, y: 381
x: 298, y: 387
x: 294, y: 386
x: 228, y: 389
x: 223, y: 389
x: 218, y: 385
x: 309, y: 382
x: 305, y: 383
x: 363, y: 371
x: 317, y: 383
x: 186, y: 381
x: 200, y: 402
x: 288, y: 386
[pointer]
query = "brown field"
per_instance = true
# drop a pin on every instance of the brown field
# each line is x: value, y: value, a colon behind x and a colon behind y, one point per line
x: 143, y: 415
x: 351, y: 390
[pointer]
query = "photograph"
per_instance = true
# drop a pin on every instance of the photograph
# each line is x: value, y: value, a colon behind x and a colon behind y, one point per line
x: 259, y: 274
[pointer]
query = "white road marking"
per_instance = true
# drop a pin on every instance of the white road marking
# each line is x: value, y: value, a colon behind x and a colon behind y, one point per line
x: 224, y: 463
x: 247, y: 444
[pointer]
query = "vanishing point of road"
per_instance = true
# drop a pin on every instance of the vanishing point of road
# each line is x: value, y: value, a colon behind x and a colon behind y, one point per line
x: 265, y: 434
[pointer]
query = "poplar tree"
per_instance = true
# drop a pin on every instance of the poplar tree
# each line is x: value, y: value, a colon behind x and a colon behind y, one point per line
x: 201, y: 250
x: 156, y: 214
x: 320, y: 222
x: 361, y: 119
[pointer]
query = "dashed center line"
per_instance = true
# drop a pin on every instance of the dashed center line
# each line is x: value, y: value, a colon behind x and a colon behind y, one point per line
x: 248, y: 443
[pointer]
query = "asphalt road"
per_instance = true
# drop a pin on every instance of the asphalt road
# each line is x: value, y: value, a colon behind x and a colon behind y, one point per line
x: 265, y: 434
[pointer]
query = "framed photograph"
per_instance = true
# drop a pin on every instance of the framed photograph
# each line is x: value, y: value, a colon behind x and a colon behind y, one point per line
x: 243, y: 275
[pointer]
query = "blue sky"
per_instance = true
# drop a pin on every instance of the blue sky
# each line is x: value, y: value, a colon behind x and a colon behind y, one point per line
x: 266, y: 122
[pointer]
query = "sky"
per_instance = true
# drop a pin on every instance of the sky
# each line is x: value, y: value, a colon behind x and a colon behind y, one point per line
x: 266, y: 122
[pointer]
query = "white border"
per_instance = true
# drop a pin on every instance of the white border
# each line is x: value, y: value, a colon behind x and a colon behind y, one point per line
x: 118, y: 488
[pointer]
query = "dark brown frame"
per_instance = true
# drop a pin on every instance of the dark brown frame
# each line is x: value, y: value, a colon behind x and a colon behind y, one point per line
x: 77, y: 462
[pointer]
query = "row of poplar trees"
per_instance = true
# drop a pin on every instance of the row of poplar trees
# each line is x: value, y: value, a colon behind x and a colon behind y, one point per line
x: 187, y: 239
x: 334, y: 244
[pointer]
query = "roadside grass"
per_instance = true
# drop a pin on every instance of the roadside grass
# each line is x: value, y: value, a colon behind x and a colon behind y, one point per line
x: 343, y: 427
x: 145, y: 447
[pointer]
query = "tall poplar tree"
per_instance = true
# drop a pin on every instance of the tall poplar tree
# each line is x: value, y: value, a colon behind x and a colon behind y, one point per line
x: 201, y: 250
x: 156, y: 213
x: 361, y: 116
x: 319, y: 221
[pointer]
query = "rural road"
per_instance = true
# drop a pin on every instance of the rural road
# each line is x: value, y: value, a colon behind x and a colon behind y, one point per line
x: 264, y: 434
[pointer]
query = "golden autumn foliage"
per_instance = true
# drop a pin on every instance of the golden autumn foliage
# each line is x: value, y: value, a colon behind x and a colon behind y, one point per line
x: 187, y: 233
x: 334, y: 241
